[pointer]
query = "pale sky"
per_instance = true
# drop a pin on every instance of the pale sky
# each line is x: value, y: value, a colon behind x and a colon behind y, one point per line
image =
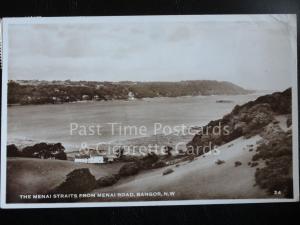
x: 256, y: 52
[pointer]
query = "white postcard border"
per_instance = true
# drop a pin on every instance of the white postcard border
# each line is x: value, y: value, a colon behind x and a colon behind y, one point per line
x: 120, y: 19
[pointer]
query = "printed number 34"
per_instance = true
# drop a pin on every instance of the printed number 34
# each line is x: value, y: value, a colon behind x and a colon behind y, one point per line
x: 277, y: 192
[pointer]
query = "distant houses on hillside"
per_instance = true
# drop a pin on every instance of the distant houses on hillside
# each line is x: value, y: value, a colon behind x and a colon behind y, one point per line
x: 47, y: 92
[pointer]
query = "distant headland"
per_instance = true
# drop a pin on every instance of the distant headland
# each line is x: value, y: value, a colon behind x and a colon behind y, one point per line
x: 53, y: 92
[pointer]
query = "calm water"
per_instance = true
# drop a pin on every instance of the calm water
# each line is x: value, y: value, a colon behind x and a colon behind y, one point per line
x: 51, y: 123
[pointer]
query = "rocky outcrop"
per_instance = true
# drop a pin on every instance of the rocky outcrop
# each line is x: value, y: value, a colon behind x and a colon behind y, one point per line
x: 245, y: 120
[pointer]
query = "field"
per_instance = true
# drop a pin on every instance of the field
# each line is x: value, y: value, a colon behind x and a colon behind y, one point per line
x: 38, y: 176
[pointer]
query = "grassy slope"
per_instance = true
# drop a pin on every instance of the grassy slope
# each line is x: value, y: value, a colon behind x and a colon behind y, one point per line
x: 36, y: 176
x: 202, y: 178
x: 199, y: 179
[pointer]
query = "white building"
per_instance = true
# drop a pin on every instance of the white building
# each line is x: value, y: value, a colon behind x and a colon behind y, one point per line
x: 97, y: 156
x: 131, y: 96
x: 92, y: 159
x: 85, y: 97
x: 96, y: 97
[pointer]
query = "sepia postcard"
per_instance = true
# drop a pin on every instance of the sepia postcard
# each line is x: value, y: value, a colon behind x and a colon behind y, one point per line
x: 149, y: 110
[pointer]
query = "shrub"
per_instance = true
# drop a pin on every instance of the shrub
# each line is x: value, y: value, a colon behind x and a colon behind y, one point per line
x: 168, y: 150
x: 277, y: 174
x: 219, y: 162
x: 77, y: 181
x: 159, y: 164
x: 254, y: 164
x: 107, y: 180
x: 191, y: 158
x: 13, y: 151
x: 237, y: 163
x: 168, y: 171
x: 148, y: 161
x: 44, y: 150
x: 289, y: 120
x: 129, y: 169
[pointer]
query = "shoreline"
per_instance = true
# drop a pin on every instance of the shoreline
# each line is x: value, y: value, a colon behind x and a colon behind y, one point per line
x: 130, y: 142
x: 137, y: 99
x: 71, y: 148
